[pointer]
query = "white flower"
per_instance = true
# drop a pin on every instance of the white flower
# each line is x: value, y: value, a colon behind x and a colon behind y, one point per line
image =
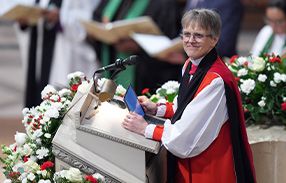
x: 261, y: 103
x: 44, y: 181
x: 55, y: 98
x: 98, y: 176
x: 75, y: 74
x: 49, y: 89
x: 52, y: 112
x: 48, y: 135
x: 7, y: 181
x: 31, y: 176
x: 120, y: 90
x: 258, y: 64
x: 73, y: 174
x: 284, y: 99
x: 262, y: 77
x: 171, y: 86
x: 64, y: 92
x: 37, y: 134
x: 25, y: 111
x: 279, y: 77
x: 24, y: 180
x: 242, y: 72
x: 247, y: 86
x: 83, y: 87
x: 17, y: 166
x: 41, y: 153
x: 272, y: 83
x: 27, y: 150
x: 241, y: 60
x: 20, y: 138
x: 30, y: 166
x: 38, y: 141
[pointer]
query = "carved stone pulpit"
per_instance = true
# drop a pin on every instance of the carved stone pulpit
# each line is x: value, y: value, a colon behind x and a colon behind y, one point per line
x: 92, y: 139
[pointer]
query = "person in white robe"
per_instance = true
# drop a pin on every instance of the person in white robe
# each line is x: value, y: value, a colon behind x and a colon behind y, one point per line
x: 272, y: 37
x: 72, y: 52
x: 36, y: 43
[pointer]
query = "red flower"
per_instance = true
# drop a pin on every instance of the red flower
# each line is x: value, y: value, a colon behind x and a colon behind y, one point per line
x: 26, y: 158
x: 14, y: 175
x: 47, y: 164
x: 74, y: 87
x: 15, y: 149
x: 145, y: 91
x: 233, y: 58
x: 283, y: 106
x: 90, y: 178
x: 275, y: 59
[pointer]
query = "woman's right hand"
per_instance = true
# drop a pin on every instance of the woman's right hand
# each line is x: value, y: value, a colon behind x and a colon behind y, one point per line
x: 149, y: 106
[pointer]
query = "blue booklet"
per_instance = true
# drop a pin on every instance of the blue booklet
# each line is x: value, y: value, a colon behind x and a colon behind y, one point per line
x: 132, y: 102
x: 134, y: 105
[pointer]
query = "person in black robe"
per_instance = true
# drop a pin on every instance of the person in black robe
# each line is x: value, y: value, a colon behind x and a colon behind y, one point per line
x: 149, y: 72
x: 39, y: 65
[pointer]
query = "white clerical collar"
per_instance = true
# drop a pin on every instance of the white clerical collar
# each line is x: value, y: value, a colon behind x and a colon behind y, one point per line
x: 197, y: 61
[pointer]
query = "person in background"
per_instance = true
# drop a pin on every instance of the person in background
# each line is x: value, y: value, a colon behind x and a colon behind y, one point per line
x: 72, y: 52
x: 38, y: 43
x: 272, y: 37
x: 150, y: 72
x: 205, y: 134
x: 231, y: 12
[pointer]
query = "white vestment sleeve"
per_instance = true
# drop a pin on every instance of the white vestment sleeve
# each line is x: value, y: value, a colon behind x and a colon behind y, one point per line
x: 200, y: 122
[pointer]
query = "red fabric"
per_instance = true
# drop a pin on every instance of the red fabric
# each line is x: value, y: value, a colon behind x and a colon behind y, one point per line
x: 157, y: 134
x: 169, y: 110
x: 220, y: 68
x: 193, y: 69
x: 214, y: 165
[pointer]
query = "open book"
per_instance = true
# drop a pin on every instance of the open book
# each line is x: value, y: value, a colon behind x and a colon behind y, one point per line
x: 158, y: 46
x: 112, y: 32
x: 31, y: 13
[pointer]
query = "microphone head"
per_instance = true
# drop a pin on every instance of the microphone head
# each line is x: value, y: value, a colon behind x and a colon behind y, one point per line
x: 133, y: 59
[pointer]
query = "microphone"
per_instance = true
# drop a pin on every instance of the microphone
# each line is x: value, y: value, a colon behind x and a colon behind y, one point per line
x: 119, y: 64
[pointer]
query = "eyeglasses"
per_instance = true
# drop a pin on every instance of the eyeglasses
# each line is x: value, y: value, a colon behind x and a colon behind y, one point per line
x: 196, y: 36
x: 274, y: 22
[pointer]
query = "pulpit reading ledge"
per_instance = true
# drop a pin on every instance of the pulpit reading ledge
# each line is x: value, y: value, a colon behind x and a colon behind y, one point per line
x: 92, y: 139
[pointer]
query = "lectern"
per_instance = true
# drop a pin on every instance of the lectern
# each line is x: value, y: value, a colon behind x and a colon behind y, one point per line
x: 92, y: 139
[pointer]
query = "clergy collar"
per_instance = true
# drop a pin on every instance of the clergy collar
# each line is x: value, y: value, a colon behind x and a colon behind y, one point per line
x: 197, y: 61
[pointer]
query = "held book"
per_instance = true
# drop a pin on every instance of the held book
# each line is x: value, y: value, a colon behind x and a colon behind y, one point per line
x: 158, y: 46
x: 31, y: 13
x: 114, y: 31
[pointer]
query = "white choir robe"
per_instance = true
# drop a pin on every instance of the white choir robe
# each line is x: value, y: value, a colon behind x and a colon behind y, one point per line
x: 23, y: 36
x: 72, y: 53
x: 278, y: 45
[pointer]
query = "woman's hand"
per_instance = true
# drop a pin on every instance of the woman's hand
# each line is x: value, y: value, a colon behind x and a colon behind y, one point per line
x: 135, y: 123
x: 149, y: 107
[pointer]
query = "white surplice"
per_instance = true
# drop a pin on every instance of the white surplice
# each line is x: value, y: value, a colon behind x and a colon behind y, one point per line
x: 72, y: 53
x: 277, y: 47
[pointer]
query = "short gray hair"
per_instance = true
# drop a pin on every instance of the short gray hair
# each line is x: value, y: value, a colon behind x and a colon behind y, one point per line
x: 205, y: 18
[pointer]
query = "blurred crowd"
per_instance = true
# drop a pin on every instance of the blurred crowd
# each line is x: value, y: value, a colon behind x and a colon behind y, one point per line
x: 58, y: 44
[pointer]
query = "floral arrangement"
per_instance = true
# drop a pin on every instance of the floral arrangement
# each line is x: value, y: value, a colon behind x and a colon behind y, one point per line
x: 262, y: 83
x: 73, y: 175
x: 166, y: 93
x: 30, y: 158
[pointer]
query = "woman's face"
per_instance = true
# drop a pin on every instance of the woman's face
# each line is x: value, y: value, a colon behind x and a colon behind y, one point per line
x: 275, y: 17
